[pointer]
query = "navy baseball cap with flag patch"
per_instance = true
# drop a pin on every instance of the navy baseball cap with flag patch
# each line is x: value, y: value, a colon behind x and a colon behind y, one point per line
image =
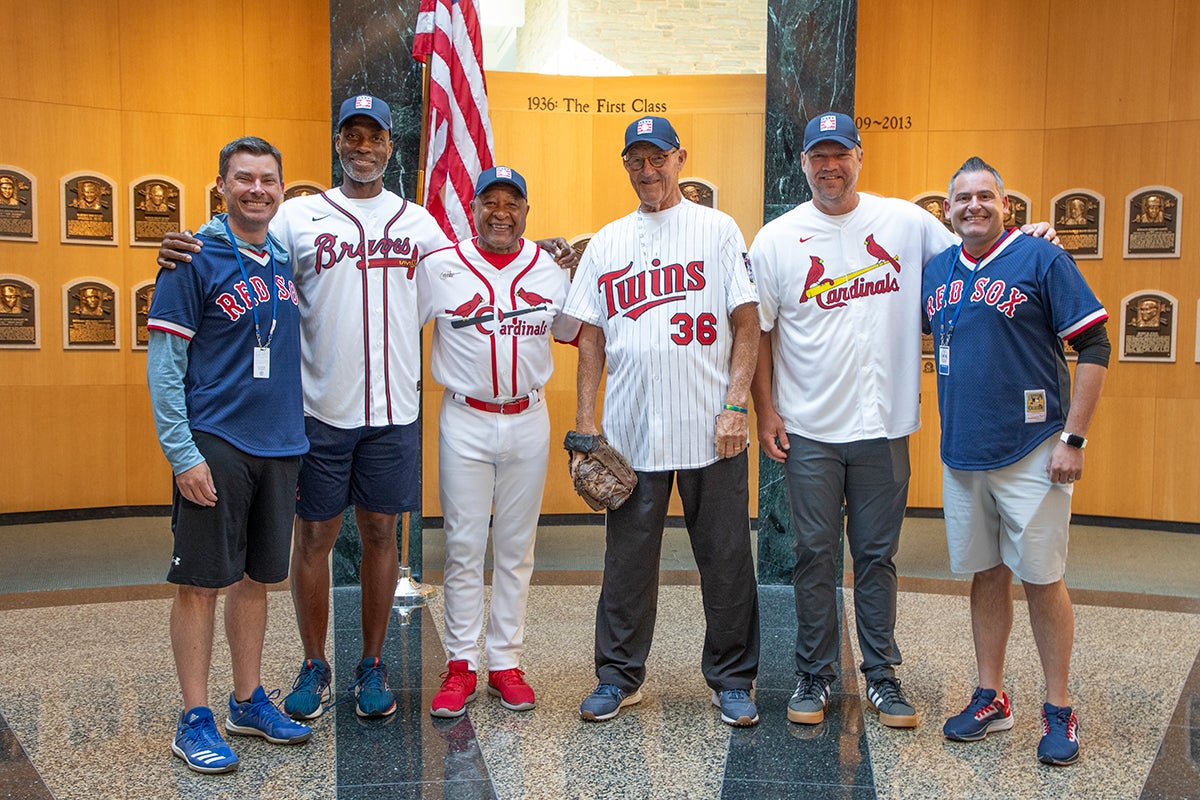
x: 831, y: 127
x: 508, y: 175
x: 655, y: 130
x: 372, y: 107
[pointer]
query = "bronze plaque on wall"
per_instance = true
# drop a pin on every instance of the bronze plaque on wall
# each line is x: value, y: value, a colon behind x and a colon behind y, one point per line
x: 90, y: 315
x: 302, y: 189
x: 19, y: 324
x: 89, y: 209
x: 932, y: 202
x: 1152, y: 216
x: 156, y: 208
x: 1079, y: 220
x: 1019, y: 209
x: 1148, y: 326
x: 140, y: 297
x: 18, y: 205
x: 699, y: 191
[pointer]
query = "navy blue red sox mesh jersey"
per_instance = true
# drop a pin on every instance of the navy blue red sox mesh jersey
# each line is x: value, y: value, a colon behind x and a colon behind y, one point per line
x: 1008, y: 387
x: 209, y: 304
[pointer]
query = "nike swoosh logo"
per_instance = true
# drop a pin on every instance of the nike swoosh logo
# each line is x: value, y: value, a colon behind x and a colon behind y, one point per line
x: 323, y: 216
x: 804, y: 239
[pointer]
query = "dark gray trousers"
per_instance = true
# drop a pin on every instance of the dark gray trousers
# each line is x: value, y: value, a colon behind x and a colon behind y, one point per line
x: 716, y: 510
x: 872, y: 477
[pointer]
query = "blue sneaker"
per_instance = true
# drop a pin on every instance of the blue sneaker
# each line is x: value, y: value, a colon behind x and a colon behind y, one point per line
x: 310, y: 692
x: 258, y: 716
x: 375, y: 698
x: 199, y: 744
x: 983, y: 715
x: 1059, y: 746
x: 737, y: 708
x: 605, y: 701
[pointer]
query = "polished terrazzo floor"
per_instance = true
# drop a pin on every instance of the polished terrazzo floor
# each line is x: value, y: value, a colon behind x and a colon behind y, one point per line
x: 88, y: 697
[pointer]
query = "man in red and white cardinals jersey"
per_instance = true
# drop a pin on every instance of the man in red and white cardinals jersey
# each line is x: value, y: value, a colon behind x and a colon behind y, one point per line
x: 495, y: 301
x: 667, y: 299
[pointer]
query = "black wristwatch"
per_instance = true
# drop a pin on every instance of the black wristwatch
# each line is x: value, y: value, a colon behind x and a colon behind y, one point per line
x: 1073, y: 440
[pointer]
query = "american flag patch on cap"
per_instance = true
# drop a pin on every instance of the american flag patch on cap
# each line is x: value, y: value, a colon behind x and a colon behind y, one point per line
x: 503, y: 172
x: 645, y: 125
x: 829, y: 122
x: 364, y: 101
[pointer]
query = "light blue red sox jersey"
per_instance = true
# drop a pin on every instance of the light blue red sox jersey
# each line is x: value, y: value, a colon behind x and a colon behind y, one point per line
x: 1008, y: 387
x: 662, y: 287
x: 212, y: 306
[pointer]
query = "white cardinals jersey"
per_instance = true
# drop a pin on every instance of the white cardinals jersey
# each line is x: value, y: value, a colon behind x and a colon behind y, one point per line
x: 354, y: 263
x: 662, y: 286
x: 842, y: 296
x: 491, y: 338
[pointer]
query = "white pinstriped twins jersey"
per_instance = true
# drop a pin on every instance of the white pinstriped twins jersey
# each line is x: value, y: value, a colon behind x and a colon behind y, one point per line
x: 354, y: 263
x: 847, y: 359
x: 491, y: 338
x: 662, y: 286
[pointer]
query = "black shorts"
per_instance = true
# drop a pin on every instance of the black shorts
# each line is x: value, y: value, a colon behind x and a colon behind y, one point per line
x: 249, y: 530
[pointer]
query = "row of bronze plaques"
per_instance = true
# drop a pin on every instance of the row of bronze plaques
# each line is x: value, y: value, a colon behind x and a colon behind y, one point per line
x: 90, y: 314
x: 89, y: 207
x: 1152, y: 216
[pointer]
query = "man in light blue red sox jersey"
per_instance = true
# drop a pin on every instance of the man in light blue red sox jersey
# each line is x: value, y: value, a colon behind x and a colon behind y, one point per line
x: 1000, y: 306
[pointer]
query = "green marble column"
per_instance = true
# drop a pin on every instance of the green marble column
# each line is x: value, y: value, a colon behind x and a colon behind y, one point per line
x: 810, y: 69
x: 370, y: 49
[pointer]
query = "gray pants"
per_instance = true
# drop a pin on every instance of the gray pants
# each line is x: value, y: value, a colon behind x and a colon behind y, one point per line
x: 872, y: 476
x: 716, y: 510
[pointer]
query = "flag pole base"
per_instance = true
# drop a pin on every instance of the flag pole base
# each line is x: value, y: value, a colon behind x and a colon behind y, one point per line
x: 410, y: 592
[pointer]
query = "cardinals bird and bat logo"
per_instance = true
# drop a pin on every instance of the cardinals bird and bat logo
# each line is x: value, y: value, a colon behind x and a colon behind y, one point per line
x: 836, y: 292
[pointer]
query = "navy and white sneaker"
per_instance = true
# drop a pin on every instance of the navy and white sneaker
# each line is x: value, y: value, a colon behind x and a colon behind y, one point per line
x: 199, y: 744
x: 1059, y: 746
x: 310, y: 692
x: 258, y: 716
x: 986, y: 713
x: 737, y: 709
x: 606, y: 701
x: 375, y: 698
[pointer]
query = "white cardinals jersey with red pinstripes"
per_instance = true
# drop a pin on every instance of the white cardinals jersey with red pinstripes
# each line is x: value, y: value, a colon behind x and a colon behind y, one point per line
x: 354, y: 263
x: 491, y: 340
x: 662, y: 286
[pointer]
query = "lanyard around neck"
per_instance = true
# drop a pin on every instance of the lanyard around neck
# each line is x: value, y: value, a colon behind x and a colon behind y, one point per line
x: 237, y: 253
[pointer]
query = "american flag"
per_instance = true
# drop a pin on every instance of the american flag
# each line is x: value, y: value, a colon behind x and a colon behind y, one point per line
x: 459, y: 134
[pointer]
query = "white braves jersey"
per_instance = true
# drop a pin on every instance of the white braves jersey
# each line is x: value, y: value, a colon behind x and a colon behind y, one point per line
x: 662, y: 286
x: 842, y: 295
x: 354, y: 263
x: 491, y: 338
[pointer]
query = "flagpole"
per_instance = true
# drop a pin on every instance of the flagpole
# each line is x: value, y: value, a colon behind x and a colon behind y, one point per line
x: 424, y: 132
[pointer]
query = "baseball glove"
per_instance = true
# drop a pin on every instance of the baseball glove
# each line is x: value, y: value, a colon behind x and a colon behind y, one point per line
x: 602, y: 476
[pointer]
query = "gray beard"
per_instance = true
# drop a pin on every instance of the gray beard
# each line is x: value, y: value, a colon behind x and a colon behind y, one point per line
x: 362, y: 177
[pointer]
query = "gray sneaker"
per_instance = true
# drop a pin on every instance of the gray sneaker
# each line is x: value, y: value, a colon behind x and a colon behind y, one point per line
x: 895, y: 711
x: 808, y: 702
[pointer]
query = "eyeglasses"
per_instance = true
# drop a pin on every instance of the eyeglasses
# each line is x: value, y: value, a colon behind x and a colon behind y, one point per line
x: 635, y: 163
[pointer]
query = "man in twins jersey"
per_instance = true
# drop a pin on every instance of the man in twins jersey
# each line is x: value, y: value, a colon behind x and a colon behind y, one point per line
x: 1013, y: 435
x: 667, y: 300
x: 837, y: 394
x: 495, y: 301
x: 223, y: 370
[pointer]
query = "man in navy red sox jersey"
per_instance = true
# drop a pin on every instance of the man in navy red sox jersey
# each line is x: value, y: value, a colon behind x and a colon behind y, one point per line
x: 999, y: 307
x: 837, y: 394
x: 666, y: 298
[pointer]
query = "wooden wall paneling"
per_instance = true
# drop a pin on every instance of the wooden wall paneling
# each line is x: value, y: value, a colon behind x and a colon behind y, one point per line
x: 184, y: 69
x: 925, y: 460
x: 1109, y: 62
x: 1184, y: 102
x: 727, y: 149
x: 1017, y: 154
x: 895, y: 163
x: 61, y: 53
x: 989, y: 66
x: 1176, y: 439
x: 147, y: 473
x: 1121, y: 468
x: 893, y: 59
x: 286, y: 43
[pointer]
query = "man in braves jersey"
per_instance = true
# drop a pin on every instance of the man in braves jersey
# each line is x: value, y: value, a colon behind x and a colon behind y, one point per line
x: 667, y: 300
x: 495, y: 301
x: 224, y: 374
x: 355, y: 250
x: 1013, y: 434
x: 837, y: 394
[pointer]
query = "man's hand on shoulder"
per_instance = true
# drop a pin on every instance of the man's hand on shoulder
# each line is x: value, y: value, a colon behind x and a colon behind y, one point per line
x: 177, y: 246
x: 564, y: 255
x: 1041, y: 230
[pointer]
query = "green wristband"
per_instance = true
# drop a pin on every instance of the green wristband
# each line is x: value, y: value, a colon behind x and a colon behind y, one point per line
x: 731, y: 407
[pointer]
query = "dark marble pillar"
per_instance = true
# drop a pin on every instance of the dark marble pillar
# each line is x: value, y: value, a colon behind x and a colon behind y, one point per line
x: 810, y: 69
x: 370, y: 48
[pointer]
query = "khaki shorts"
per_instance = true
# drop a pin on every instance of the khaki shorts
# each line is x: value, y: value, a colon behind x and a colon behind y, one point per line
x: 1012, y: 515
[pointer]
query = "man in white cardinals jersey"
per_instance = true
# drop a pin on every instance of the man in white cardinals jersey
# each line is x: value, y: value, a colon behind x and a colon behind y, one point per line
x: 1000, y: 307
x: 495, y: 301
x: 836, y: 394
x: 667, y: 300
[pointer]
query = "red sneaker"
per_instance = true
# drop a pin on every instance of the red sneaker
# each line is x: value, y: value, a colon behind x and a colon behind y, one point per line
x: 510, y: 686
x: 458, y: 689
